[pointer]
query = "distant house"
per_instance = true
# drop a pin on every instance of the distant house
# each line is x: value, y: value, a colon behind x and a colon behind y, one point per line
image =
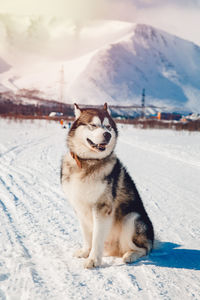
x: 169, y: 116
x: 193, y: 117
x: 55, y: 114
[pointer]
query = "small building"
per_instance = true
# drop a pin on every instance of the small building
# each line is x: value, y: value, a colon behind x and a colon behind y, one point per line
x: 169, y: 116
x: 193, y: 117
x: 55, y: 114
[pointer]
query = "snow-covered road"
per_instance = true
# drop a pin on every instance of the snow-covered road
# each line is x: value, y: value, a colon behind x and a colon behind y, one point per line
x: 39, y: 231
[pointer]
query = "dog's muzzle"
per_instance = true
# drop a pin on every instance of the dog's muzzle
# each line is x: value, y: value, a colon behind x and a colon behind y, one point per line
x: 107, y: 137
x: 102, y: 146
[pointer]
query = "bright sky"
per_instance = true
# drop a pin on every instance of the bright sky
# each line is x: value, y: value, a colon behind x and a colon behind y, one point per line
x: 178, y: 16
x: 18, y: 32
x: 73, y: 9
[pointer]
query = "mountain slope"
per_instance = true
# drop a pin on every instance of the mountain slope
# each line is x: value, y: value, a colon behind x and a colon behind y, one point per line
x: 4, y: 66
x: 134, y: 57
x: 167, y: 66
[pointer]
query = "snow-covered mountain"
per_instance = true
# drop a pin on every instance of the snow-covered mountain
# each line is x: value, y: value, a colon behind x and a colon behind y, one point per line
x: 141, y: 56
x: 4, y: 66
x: 38, y: 46
x: 166, y: 66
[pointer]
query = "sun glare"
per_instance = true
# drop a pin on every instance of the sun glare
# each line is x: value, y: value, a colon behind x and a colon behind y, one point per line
x: 77, y: 10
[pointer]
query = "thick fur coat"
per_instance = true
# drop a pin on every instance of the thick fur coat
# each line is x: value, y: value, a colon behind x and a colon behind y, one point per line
x: 112, y: 217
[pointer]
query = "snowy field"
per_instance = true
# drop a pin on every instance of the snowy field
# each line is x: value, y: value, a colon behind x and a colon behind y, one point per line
x: 39, y: 230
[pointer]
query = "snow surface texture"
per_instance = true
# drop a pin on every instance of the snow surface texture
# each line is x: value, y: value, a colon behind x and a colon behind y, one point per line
x: 39, y: 230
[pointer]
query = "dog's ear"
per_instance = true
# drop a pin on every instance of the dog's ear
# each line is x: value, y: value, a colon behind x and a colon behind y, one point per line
x: 77, y: 111
x: 106, y: 108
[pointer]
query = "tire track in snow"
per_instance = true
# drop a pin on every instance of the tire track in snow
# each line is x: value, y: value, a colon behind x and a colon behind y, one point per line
x: 16, y: 181
x: 31, y: 224
x: 38, y: 281
x: 36, y: 206
x: 170, y: 200
x: 168, y: 153
x: 167, y: 189
x: 87, y: 291
x: 35, y: 182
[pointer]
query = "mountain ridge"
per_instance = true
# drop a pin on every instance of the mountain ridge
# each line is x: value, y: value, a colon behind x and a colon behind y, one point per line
x: 167, y: 66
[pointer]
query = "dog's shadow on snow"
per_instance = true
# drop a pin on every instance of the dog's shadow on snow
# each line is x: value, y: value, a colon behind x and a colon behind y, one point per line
x: 170, y: 255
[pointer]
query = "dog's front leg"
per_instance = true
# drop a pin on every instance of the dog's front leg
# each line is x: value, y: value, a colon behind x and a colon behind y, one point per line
x: 102, y: 222
x: 87, y: 239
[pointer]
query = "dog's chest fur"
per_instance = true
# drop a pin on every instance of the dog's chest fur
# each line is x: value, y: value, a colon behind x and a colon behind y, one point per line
x: 85, y: 186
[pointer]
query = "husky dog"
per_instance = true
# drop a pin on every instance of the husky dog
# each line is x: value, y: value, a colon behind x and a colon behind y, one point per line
x: 112, y: 217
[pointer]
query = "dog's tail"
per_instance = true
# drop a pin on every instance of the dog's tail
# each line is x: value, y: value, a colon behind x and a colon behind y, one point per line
x: 157, y: 244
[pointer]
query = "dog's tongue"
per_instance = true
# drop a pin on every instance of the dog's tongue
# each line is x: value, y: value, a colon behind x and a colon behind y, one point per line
x: 101, y: 147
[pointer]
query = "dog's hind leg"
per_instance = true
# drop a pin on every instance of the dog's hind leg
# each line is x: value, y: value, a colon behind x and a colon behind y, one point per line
x: 133, y: 241
x: 133, y: 255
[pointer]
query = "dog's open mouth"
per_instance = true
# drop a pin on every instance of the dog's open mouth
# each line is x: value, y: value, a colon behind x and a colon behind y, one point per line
x: 100, y: 147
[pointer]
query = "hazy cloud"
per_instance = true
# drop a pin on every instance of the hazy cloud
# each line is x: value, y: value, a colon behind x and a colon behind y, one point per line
x: 36, y: 26
x: 28, y: 39
x: 161, y: 3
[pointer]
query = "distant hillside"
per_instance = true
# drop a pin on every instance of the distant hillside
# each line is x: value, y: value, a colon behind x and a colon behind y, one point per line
x: 167, y: 66
x: 134, y: 56
x: 4, y: 66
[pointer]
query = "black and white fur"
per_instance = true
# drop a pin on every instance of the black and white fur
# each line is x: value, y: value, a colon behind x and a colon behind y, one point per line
x: 112, y: 217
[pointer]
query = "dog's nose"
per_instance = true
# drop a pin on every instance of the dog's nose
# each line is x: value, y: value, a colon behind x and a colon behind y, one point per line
x: 107, y: 136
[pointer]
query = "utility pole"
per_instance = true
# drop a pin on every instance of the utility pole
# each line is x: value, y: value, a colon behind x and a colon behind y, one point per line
x: 62, y: 87
x: 143, y: 103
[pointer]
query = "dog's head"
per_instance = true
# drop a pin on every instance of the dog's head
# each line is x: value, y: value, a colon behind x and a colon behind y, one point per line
x: 93, y: 134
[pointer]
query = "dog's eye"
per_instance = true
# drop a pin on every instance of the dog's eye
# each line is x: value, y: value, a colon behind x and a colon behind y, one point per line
x: 108, y: 127
x: 92, y: 126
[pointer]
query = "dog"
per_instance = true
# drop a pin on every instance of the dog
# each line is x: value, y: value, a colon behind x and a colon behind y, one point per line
x: 112, y: 217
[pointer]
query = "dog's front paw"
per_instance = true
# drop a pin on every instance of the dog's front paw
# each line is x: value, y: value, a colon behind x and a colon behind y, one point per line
x: 82, y: 253
x: 92, y: 263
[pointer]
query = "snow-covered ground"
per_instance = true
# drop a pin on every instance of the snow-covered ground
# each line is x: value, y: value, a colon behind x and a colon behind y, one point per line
x: 39, y: 230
